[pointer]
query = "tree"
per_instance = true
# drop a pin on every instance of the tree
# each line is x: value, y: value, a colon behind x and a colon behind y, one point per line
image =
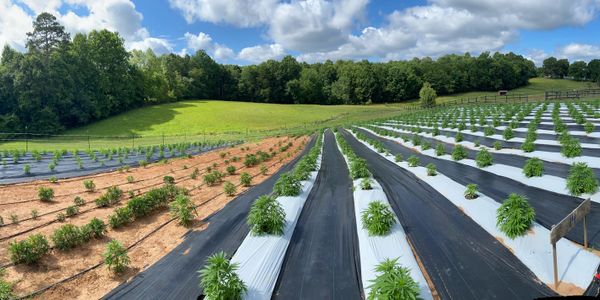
x: 427, y: 96
x: 47, y: 35
x: 593, y: 68
x: 578, y: 70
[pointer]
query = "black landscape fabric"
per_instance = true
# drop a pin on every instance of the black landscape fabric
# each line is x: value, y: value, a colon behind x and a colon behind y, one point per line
x: 322, y: 260
x: 175, y: 275
x: 461, y: 258
x: 550, y: 208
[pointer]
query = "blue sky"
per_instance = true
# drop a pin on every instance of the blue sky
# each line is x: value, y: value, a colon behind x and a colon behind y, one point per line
x: 244, y: 31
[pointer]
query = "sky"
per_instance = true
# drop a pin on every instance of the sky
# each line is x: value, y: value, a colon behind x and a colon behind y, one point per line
x: 252, y: 31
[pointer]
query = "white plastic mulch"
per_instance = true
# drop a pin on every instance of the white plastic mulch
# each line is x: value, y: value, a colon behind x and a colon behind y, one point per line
x: 575, y: 265
x: 260, y: 257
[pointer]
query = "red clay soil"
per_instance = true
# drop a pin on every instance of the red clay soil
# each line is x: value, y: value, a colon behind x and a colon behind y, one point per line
x: 59, y: 265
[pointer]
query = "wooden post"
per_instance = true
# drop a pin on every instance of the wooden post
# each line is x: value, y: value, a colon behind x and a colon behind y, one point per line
x: 555, y: 266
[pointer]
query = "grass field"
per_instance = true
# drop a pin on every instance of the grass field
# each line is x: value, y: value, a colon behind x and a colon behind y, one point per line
x: 213, y: 120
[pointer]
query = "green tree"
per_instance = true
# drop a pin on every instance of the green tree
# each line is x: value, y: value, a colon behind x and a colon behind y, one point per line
x: 578, y: 70
x: 427, y: 96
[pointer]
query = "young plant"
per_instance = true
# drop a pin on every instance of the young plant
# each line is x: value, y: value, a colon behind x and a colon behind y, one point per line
x: 266, y: 216
x: 263, y: 169
x: 497, y: 145
x: 169, y: 180
x: 378, y: 219
x: 115, y: 257
x: 413, y: 161
x: 66, y: 237
x: 581, y: 180
x: 28, y: 251
x: 588, y: 127
x: 287, y: 185
x: 230, y: 170
x: 79, y: 201
x: 459, y: 153
x: 393, y: 282
x: 528, y: 146
x: 245, y: 179
x: 130, y: 179
x: 219, y: 279
x: 71, y: 210
x: 94, y: 229
x: 440, y: 149
x: 458, y: 137
x: 484, y: 158
x: 471, y: 191
x: 183, y: 209
x: 534, y: 167
x: 571, y: 147
x: 89, y: 185
x: 431, y: 169
x: 398, y: 157
x: 27, y: 169
x: 229, y: 188
x: 366, y: 184
x: 515, y: 216
x: 508, y: 133
x: 46, y: 194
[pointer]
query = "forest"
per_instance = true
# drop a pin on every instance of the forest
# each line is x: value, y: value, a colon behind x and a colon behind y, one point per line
x: 62, y: 82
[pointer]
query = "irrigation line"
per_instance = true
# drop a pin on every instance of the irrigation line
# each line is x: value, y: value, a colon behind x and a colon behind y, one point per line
x: 40, y: 291
x: 94, y: 208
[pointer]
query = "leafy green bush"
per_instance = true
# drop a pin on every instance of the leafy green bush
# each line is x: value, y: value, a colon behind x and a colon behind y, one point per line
x: 534, y: 167
x: 581, y: 180
x: 115, y: 257
x: 71, y: 210
x: 508, y: 133
x: 571, y: 148
x: 287, y: 185
x: 230, y: 170
x: 359, y: 169
x: 94, y: 229
x: 169, y: 180
x: 484, y: 158
x: 471, y: 191
x: 588, y: 127
x: 459, y: 153
x: 266, y: 216
x: 431, y: 169
x: 120, y: 217
x: 219, y: 280
x: 6, y: 289
x: 183, y: 209
x: 393, y: 282
x: 458, y: 137
x: 497, y: 145
x: 377, y: 219
x: 440, y: 149
x: 66, y: 237
x: 489, y: 130
x: 528, y: 146
x: 515, y: 216
x: 28, y: 251
x: 366, y: 184
x: 245, y: 179
x: 45, y: 194
x: 250, y: 160
x: 229, y: 188
x: 413, y: 161
x: 89, y: 185
x: 27, y: 169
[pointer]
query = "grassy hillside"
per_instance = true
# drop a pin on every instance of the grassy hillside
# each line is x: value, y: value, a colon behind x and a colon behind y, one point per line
x: 213, y: 120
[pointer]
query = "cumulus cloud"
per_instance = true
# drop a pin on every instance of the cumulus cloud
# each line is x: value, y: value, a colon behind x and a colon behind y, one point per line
x: 14, y: 25
x: 261, y: 53
x: 576, y: 51
x: 243, y: 13
x: 203, y: 41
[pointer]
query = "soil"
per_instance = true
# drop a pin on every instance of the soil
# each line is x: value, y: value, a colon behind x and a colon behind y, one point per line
x: 59, y: 265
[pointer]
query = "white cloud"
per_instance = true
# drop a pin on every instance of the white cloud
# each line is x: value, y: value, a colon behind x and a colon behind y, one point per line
x: 203, y: 41
x: 158, y: 45
x: 576, y: 52
x: 14, y: 25
x: 242, y: 13
x: 261, y: 53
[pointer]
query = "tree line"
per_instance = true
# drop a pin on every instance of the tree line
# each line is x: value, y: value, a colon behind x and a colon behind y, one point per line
x: 578, y: 70
x: 62, y: 82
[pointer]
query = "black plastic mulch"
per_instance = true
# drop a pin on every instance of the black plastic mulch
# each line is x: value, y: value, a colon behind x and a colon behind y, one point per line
x: 461, y: 258
x: 175, y: 275
x: 322, y: 260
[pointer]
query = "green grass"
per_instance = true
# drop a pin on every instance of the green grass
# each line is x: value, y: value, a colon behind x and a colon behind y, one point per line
x: 206, y: 120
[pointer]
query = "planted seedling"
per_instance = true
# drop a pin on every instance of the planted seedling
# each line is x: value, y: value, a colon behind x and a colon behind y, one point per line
x: 534, y: 167
x: 471, y: 191
x: 515, y: 216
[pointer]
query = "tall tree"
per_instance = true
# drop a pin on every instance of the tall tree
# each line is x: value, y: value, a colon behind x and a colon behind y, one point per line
x: 47, y: 35
x: 578, y: 70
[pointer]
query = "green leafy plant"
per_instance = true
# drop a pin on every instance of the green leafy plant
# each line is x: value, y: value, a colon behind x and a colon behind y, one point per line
x: 115, y: 257
x: 484, y: 158
x: 230, y: 170
x: 263, y: 169
x: 27, y: 169
x: 398, y: 157
x: 245, y: 179
x: 571, y: 147
x: 29, y: 250
x: 497, y: 145
x: 266, y: 216
x: 471, y: 191
x: 89, y: 185
x: 219, y: 280
x: 120, y: 217
x: 534, y: 167
x: 528, y: 146
x: 183, y: 209
x: 130, y: 179
x: 61, y: 217
x: 581, y: 180
x: 66, y: 237
x: 287, y: 185
x: 458, y: 137
x: 46, y: 194
x: 508, y: 133
x: 6, y: 288
x: 359, y: 169
x: 393, y: 282
x: 413, y: 161
x: 431, y: 169
x: 514, y: 216
x: 459, y: 153
x: 71, y: 210
x: 94, y: 229
x: 229, y: 188
x: 440, y: 149
x: 169, y: 180
x: 588, y: 127
x: 366, y: 184
x: 377, y: 219
x: 53, y: 179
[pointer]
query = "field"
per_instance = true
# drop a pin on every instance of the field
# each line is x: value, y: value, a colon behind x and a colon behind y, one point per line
x: 447, y: 203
